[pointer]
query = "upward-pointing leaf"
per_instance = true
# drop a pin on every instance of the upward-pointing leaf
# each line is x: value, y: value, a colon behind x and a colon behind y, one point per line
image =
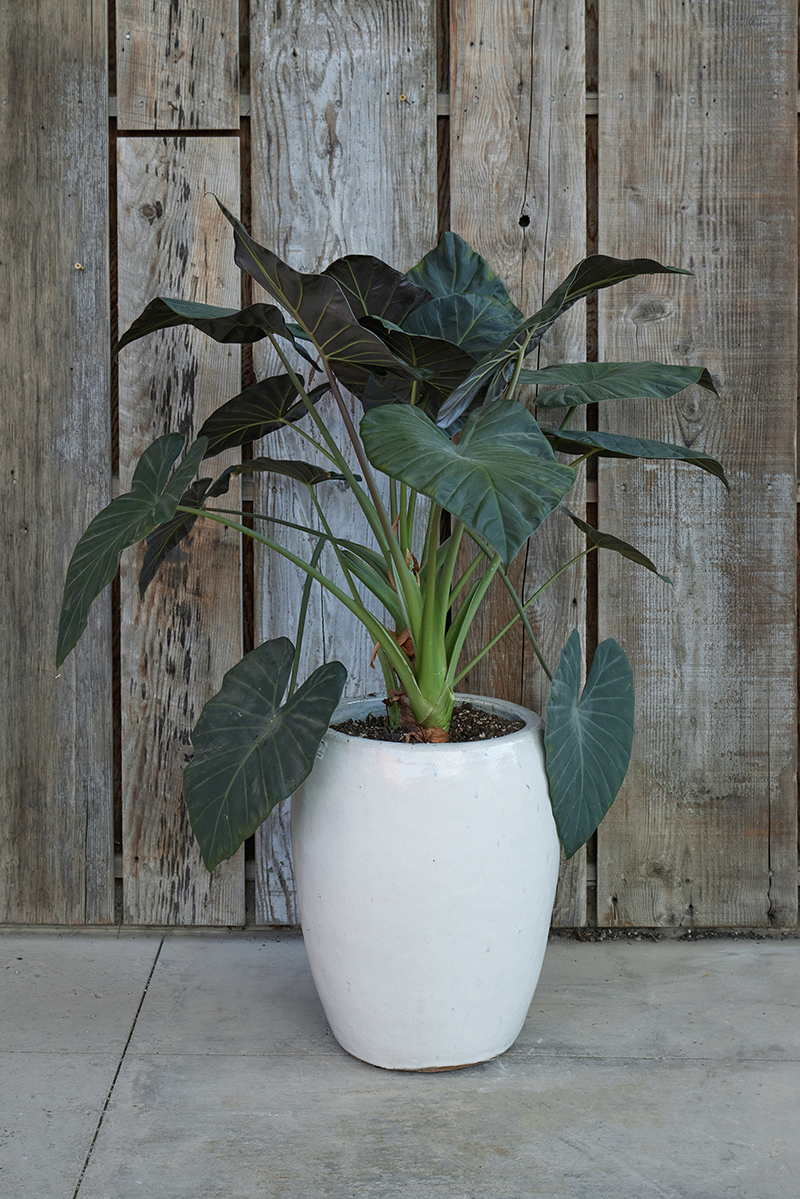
x: 151, y: 501
x: 320, y: 308
x: 453, y: 268
x: 373, y: 288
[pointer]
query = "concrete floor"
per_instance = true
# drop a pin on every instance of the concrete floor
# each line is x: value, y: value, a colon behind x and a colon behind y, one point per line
x: 201, y: 1066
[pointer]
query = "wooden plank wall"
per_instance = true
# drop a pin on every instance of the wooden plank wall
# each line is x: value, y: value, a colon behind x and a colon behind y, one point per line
x: 705, y: 832
x: 56, y: 809
x: 339, y: 148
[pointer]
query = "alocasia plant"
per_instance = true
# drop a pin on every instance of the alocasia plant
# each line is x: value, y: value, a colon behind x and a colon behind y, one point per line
x: 435, y: 356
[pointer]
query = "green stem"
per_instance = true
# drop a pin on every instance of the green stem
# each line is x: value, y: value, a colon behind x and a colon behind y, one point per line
x: 474, y: 604
x: 374, y: 627
x: 526, y: 604
x: 301, y: 620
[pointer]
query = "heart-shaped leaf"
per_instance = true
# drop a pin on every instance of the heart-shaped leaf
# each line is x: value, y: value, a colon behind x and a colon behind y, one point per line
x: 592, y: 274
x: 373, y: 288
x: 593, y: 382
x: 614, y: 445
x: 256, y: 412
x: 250, y: 753
x: 153, y: 498
x: 227, y: 325
x: 607, y: 541
x: 587, y: 741
x: 453, y: 268
x: 501, y: 479
x: 476, y: 323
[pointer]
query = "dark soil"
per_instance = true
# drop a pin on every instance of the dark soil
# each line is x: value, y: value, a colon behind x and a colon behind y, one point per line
x: 468, y: 724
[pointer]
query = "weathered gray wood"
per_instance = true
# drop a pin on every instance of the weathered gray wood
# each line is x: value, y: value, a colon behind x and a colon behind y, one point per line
x: 177, y: 643
x: 518, y: 195
x: 344, y: 161
x: 177, y: 64
x: 698, y: 169
x: 56, y: 811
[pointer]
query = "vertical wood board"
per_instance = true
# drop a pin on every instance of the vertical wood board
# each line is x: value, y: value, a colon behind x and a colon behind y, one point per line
x: 698, y: 169
x: 179, y: 640
x: 177, y: 64
x: 344, y: 161
x: 518, y: 196
x: 56, y: 809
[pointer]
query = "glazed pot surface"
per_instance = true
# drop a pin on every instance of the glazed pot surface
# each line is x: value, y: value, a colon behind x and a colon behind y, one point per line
x: 426, y: 876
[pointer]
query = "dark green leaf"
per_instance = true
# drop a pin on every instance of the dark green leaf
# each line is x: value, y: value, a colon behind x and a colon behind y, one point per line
x: 592, y: 382
x: 439, y: 364
x: 256, y: 412
x: 501, y: 480
x: 152, y: 500
x: 302, y: 472
x: 223, y: 324
x: 592, y: 274
x: 587, y: 741
x: 163, y: 540
x: 454, y: 268
x: 320, y: 308
x: 250, y: 753
x: 476, y: 323
x: 614, y: 445
x: 607, y: 541
x: 373, y: 288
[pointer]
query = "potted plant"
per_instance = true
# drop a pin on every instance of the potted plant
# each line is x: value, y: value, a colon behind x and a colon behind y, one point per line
x: 439, y: 979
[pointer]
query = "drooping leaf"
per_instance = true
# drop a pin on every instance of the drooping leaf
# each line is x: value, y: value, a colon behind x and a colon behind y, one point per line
x: 152, y: 500
x: 302, y: 472
x: 476, y: 323
x: 373, y: 288
x: 375, y: 579
x: 453, y: 268
x: 502, y: 479
x: 615, y: 445
x: 319, y: 306
x: 592, y: 274
x: 607, y: 541
x: 593, y: 382
x: 227, y: 325
x: 587, y: 740
x: 249, y: 752
x: 256, y: 412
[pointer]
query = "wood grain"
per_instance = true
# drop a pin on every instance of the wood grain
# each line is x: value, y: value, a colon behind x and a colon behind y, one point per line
x: 177, y: 643
x: 177, y: 64
x: 344, y: 161
x: 56, y: 804
x: 518, y: 196
x: 698, y: 169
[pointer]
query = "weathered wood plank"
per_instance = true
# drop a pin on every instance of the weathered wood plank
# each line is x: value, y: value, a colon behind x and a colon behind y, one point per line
x: 344, y: 161
x: 175, y: 644
x: 518, y: 195
x: 56, y: 809
x: 177, y: 64
x: 698, y: 169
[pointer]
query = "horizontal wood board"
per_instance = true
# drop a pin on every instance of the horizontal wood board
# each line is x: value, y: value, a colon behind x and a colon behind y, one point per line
x: 179, y: 640
x: 697, y: 164
x: 177, y: 64
x: 518, y: 196
x: 343, y: 161
x: 56, y: 810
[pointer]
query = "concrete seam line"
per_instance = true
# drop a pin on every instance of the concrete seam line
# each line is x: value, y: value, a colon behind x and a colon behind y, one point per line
x: 116, y: 1072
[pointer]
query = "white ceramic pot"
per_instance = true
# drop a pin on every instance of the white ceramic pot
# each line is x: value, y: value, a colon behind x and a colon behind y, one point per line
x: 425, y: 878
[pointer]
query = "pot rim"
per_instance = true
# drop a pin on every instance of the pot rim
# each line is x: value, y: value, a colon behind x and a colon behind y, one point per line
x: 374, y: 703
